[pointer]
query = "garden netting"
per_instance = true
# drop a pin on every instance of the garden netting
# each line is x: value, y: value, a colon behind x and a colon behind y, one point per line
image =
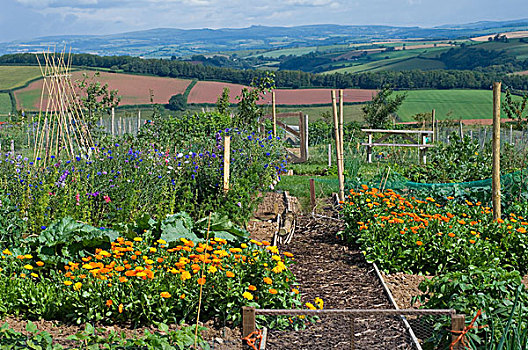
x: 514, y: 187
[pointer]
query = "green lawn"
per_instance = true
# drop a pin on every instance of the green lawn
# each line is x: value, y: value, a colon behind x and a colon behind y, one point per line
x: 5, y: 105
x: 12, y: 77
x: 462, y: 104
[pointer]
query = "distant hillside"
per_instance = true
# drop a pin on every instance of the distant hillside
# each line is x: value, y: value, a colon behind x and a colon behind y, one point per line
x: 168, y: 42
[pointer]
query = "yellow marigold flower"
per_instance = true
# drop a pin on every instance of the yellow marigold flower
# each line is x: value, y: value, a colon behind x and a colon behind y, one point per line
x: 34, y: 274
x: 88, y: 266
x: 311, y: 306
x: 161, y: 241
x: 141, y: 274
x: 296, y: 291
x: 77, y: 286
x: 28, y: 267
x: 165, y: 295
x: 243, y: 245
x: 319, y: 302
x: 28, y: 256
x: 7, y: 252
x: 120, y: 308
x: 138, y: 239
x: 248, y: 295
x: 149, y: 262
x: 152, y: 250
x: 279, y: 268
x: 185, y: 275
x: 275, y: 257
x: 212, y: 269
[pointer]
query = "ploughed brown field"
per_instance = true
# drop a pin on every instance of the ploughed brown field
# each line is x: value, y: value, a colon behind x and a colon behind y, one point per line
x: 133, y: 89
x: 208, y: 92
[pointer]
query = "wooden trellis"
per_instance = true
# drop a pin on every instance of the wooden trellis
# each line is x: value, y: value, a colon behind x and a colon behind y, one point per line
x: 61, y: 129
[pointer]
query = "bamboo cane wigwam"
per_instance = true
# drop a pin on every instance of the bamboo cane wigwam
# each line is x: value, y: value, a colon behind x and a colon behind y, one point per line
x: 61, y: 128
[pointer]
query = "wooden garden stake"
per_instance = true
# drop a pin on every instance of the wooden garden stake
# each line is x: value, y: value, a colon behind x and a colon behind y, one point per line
x: 511, y: 134
x: 458, y: 323
x: 13, y: 148
x: 139, y: 120
x: 312, y: 193
x: 113, y: 119
x: 460, y: 129
x: 329, y: 155
x: 248, y: 323
x: 433, y: 137
x: 341, y: 122
x: 274, y: 114
x: 227, y: 161
x: 305, y: 139
x: 496, y: 186
x: 338, y: 149
x: 352, y: 335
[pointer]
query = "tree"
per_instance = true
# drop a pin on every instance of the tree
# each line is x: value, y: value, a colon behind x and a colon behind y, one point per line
x: 177, y: 103
x: 96, y: 98
x: 383, y: 105
x: 223, y: 104
x: 249, y: 113
x: 515, y: 109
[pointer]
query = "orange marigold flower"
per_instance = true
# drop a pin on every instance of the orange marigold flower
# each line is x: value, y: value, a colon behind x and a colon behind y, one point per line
x: 272, y: 291
x: 296, y: 291
x: 201, y: 281
x: 419, y: 243
x: 472, y: 241
x: 182, y: 296
x: 521, y: 230
x: 165, y: 295
x: 230, y: 274
x: 40, y: 263
x: 252, y: 287
x: 109, y: 302
x: 451, y: 234
x: 267, y: 280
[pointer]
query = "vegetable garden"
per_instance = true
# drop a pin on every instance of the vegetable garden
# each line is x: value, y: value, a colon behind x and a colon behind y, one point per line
x: 142, y: 232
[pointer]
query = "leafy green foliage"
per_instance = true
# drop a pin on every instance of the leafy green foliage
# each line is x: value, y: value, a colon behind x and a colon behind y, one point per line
x: 65, y: 239
x: 515, y: 109
x: 11, y: 225
x: 223, y: 104
x: 382, y: 107
x: 249, y: 113
x: 177, y: 103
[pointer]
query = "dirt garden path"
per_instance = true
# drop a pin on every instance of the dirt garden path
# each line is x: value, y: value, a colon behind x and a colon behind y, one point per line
x: 327, y: 269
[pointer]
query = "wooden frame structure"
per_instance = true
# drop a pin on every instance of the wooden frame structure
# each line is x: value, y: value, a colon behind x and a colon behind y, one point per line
x: 301, y: 134
x: 421, y: 143
x: 61, y: 125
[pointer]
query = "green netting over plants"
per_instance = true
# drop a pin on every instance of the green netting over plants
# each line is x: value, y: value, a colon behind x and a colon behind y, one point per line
x: 514, y: 188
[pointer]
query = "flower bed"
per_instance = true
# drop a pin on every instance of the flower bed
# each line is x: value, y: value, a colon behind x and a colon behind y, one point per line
x: 140, y: 282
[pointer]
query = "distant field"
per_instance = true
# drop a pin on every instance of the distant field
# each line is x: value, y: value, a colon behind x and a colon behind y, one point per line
x: 5, y: 104
x: 133, y: 89
x: 462, y: 104
x: 350, y: 112
x: 208, y: 92
x: 12, y: 77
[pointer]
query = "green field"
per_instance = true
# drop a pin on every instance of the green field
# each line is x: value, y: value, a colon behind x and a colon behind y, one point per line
x: 12, y: 77
x: 5, y: 105
x: 461, y: 104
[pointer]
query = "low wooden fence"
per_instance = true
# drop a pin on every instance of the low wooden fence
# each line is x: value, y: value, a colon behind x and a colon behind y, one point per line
x: 249, y: 325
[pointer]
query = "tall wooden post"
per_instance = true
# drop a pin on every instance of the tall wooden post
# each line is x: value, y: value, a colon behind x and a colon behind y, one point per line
x: 306, y: 135
x: 112, y: 121
x: 458, y: 323
x: 433, y: 137
x: 511, y: 134
x: 460, y: 129
x: 338, y: 149
x: 274, y: 114
x: 227, y: 161
x: 341, y: 123
x: 496, y: 186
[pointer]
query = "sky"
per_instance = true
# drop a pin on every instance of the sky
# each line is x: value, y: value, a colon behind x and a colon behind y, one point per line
x: 26, y: 19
